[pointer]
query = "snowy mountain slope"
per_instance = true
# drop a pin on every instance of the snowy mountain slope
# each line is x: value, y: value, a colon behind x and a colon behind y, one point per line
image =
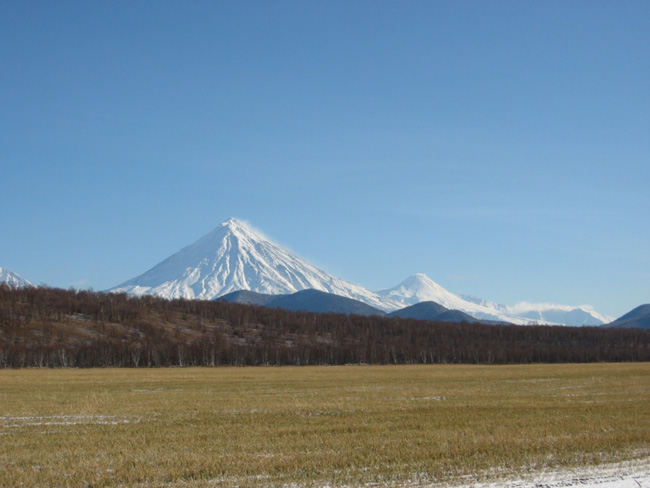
x: 235, y: 257
x: 421, y: 288
x: 10, y: 278
x: 549, y: 313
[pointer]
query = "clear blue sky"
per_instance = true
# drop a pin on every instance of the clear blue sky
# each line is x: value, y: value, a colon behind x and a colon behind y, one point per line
x: 500, y: 147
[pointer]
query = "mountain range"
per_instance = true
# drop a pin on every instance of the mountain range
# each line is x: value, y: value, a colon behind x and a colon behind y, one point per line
x: 433, y: 311
x: 306, y: 301
x: 322, y: 302
x: 235, y: 257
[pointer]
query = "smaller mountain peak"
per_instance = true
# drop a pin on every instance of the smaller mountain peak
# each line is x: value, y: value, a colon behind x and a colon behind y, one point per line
x: 418, y: 279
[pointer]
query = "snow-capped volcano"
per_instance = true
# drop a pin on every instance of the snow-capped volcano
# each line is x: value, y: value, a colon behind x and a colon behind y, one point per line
x: 235, y: 257
x: 12, y: 279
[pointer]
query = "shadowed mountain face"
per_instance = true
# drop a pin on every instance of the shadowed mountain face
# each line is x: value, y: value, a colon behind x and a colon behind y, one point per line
x: 306, y: 300
x: 321, y: 302
x: 422, y: 311
x: 638, y: 318
x: 432, y: 311
x: 249, y: 297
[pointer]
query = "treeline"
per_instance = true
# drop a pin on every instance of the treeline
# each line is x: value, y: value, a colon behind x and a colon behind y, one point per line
x: 49, y: 327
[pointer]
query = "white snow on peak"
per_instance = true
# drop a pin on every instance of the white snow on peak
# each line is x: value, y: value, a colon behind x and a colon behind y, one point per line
x: 556, y: 313
x: 420, y: 288
x: 235, y: 257
x: 12, y: 279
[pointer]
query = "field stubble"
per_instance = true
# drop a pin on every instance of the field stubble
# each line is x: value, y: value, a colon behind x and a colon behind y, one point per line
x: 347, y: 425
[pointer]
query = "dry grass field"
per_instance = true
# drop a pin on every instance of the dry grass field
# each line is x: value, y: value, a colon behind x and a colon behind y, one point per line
x: 347, y: 425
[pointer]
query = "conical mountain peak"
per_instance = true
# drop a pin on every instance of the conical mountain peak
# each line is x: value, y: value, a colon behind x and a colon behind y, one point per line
x: 419, y: 288
x: 419, y: 279
x: 235, y: 257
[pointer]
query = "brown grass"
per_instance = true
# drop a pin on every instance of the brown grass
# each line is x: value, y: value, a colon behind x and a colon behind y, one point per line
x: 347, y: 425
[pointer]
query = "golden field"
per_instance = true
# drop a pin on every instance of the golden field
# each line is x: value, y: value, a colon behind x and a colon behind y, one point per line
x: 317, y: 426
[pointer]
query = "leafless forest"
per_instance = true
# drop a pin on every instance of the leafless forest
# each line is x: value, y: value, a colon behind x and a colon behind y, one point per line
x: 49, y: 327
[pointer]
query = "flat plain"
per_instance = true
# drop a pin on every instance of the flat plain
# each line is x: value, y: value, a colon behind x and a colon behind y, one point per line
x: 317, y: 426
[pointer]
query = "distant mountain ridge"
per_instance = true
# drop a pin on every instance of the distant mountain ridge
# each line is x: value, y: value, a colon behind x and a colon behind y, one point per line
x: 235, y: 257
x: 432, y: 311
x: 305, y: 300
x: 322, y: 302
x: 421, y: 288
x: 637, y: 318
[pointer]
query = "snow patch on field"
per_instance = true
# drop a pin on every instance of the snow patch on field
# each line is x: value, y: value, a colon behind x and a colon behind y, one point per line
x: 64, y: 420
x: 627, y: 474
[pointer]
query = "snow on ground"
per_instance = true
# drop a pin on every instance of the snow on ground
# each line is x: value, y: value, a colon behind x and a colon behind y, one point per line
x: 63, y: 420
x: 627, y: 474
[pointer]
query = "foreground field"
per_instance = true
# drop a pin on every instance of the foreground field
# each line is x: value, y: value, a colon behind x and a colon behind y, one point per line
x: 347, y: 425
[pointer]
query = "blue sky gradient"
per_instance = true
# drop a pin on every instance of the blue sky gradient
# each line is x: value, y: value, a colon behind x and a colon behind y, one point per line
x: 502, y: 148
